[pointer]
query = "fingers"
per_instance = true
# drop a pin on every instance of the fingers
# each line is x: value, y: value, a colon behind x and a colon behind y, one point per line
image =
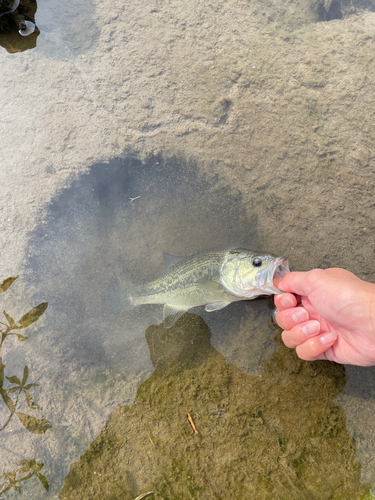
x: 288, y: 318
x: 305, y: 338
x: 285, y: 301
x: 315, y: 348
x: 300, y: 333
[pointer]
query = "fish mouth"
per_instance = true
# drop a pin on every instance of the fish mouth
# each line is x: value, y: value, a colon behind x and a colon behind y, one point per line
x: 278, y: 269
x: 282, y: 269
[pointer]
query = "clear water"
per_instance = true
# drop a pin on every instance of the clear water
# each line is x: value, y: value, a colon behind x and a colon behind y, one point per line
x: 141, y: 128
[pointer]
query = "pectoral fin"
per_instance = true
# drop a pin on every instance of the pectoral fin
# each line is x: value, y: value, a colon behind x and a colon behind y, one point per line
x: 171, y: 314
x: 215, y: 306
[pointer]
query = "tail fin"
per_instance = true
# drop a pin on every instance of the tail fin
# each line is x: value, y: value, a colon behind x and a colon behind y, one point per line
x: 117, y: 297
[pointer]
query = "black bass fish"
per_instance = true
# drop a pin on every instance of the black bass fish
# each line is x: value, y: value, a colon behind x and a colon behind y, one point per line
x: 213, y: 278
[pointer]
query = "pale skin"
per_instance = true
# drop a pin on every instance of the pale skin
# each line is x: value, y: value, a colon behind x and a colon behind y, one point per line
x: 328, y: 314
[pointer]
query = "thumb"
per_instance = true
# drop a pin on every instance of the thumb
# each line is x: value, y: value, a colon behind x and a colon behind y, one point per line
x: 296, y: 282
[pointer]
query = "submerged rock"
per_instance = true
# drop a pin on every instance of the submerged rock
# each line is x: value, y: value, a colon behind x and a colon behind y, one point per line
x: 17, y: 22
x: 7, y: 6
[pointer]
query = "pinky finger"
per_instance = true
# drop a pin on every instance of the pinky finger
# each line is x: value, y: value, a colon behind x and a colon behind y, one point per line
x: 314, y: 348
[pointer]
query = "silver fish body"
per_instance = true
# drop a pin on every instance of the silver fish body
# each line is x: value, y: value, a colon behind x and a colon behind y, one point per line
x: 213, y: 278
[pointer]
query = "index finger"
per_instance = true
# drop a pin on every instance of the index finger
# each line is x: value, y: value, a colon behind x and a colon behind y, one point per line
x: 285, y: 301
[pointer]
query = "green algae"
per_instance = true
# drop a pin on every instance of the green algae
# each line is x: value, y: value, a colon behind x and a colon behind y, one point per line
x: 275, y: 436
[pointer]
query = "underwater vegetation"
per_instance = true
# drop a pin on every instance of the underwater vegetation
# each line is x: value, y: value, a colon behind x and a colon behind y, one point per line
x: 12, y: 395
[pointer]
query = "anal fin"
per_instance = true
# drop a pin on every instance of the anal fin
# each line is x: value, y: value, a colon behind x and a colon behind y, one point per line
x: 171, y: 314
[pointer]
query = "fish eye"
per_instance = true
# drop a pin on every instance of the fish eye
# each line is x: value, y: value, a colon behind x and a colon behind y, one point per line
x: 257, y: 262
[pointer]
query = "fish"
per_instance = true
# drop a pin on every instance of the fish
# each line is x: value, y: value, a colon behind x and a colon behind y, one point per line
x: 213, y: 278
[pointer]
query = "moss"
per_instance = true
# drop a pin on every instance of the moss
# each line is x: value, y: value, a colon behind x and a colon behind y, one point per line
x: 97, y: 448
x: 283, y: 442
x: 299, y: 465
x: 331, y: 424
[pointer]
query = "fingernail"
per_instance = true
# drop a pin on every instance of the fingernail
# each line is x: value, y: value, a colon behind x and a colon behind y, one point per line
x: 311, y: 327
x: 328, y: 338
x: 300, y: 315
x: 287, y: 301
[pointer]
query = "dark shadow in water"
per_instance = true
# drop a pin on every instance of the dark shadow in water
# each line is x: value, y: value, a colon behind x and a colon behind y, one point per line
x: 119, y: 218
x: 276, y: 436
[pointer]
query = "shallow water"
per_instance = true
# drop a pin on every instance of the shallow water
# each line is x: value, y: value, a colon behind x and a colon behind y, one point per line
x: 141, y: 128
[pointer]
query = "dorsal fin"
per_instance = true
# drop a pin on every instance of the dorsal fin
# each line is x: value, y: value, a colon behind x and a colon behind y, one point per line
x: 170, y: 260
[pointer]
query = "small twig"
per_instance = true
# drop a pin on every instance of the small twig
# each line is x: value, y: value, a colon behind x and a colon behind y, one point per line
x: 144, y: 495
x: 132, y: 199
x: 149, y: 437
x: 187, y: 415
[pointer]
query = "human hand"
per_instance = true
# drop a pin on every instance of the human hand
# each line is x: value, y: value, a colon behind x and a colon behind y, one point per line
x: 332, y: 317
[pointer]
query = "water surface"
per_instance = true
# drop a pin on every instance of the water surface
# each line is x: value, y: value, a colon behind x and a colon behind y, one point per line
x: 137, y: 129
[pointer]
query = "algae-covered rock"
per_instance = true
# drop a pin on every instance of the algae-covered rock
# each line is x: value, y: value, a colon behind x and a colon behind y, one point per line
x: 248, y: 443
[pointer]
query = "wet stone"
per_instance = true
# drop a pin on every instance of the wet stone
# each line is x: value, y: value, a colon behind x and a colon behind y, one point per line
x: 17, y: 25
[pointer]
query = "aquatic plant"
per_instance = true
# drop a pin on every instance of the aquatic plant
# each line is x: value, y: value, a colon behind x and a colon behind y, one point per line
x: 11, y: 396
x: 27, y: 469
